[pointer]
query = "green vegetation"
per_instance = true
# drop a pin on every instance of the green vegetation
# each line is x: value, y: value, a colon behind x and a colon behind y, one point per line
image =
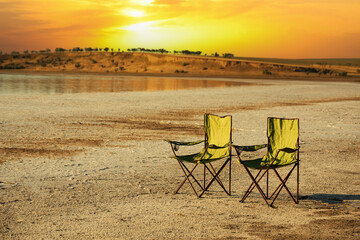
x: 266, y: 72
x: 13, y: 66
x: 301, y: 61
x: 161, y: 50
x: 343, y: 74
x: 180, y: 71
x: 187, y: 52
x: 47, y: 50
x: 228, y: 55
x: 60, y: 50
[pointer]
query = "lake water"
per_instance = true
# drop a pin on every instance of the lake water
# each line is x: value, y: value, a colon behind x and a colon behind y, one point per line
x: 72, y: 83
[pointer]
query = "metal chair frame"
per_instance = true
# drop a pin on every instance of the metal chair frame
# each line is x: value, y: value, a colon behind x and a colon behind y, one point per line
x: 208, y: 167
x: 258, y: 177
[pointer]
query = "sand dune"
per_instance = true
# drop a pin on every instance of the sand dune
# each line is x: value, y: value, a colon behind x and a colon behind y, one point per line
x: 167, y: 64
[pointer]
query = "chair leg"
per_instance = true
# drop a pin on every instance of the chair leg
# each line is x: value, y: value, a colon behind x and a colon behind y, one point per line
x: 251, y: 187
x: 230, y: 176
x: 275, y: 191
x: 267, y: 184
x: 182, y: 165
x: 204, y: 176
x: 215, y: 177
x: 187, y: 175
x: 283, y: 185
x: 298, y: 182
x: 256, y: 184
x: 212, y: 167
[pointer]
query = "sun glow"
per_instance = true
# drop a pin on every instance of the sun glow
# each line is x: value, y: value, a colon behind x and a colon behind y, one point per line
x: 142, y: 27
x: 282, y: 28
x: 143, y: 2
x: 133, y: 12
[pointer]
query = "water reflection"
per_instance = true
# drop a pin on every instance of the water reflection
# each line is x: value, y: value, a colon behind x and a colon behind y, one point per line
x: 52, y: 84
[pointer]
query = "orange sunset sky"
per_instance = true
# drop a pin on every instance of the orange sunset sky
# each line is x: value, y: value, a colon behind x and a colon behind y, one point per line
x: 252, y: 28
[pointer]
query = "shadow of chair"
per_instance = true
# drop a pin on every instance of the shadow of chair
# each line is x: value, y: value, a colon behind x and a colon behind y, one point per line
x: 331, y: 198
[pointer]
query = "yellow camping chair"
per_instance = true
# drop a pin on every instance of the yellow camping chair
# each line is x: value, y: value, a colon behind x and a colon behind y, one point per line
x: 217, y: 146
x: 282, y: 150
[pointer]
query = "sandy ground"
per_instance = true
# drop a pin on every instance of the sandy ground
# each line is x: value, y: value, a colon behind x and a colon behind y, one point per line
x: 95, y: 166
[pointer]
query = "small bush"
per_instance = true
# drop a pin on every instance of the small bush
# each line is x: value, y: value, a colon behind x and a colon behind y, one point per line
x: 13, y: 66
x: 266, y: 72
x: 77, y: 65
x: 342, y: 74
x: 180, y: 71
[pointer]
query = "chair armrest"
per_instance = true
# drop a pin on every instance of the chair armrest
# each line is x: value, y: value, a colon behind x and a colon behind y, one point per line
x: 175, y: 144
x: 213, y: 146
x: 289, y: 150
x: 253, y: 148
x: 249, y: 148
x: 184, y: 143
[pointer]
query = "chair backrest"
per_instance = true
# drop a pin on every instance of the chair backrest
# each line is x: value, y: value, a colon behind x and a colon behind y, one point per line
x: 282, y: 133
x: 217, y: 129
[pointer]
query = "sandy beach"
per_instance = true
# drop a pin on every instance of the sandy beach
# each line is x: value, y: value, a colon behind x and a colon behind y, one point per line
x: 95, y: 166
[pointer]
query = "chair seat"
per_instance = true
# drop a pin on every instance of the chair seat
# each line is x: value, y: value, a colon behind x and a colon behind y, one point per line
x: 261, y: 164
x: 209, y: 156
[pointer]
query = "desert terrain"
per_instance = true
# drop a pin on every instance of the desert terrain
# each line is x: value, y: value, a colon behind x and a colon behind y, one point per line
x: 140, y: 63
x: 96, y: 166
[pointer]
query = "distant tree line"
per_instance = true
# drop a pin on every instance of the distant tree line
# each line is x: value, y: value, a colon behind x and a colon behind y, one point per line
x: 139, y: 49
x: 160, y: 50
x: 187, y: 52
x: 228, y: 55
x: 87, y: 49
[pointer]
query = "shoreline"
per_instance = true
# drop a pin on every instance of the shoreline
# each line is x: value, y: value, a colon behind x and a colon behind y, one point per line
x: 186, y: 75
x: 162, y: 65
